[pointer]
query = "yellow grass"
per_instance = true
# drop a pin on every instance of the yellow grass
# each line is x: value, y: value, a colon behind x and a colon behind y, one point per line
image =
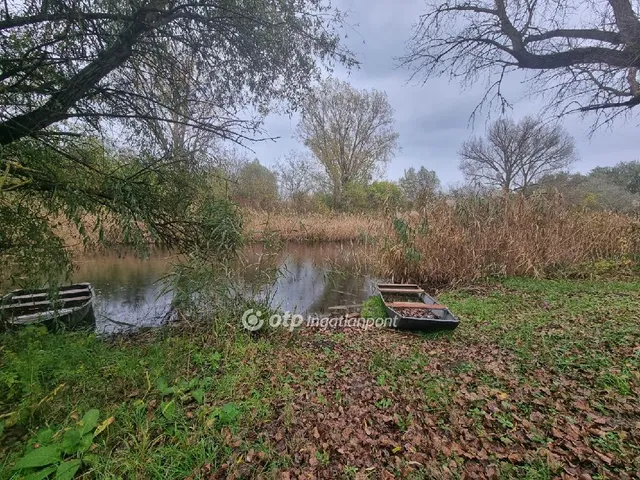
x: 454, y: 242
x: 89, y: 241
x: 313, y: 227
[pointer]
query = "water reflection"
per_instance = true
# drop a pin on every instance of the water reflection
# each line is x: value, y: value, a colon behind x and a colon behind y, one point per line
x: 129, y: 290
x: 301, y: 278
x: 315, y: 277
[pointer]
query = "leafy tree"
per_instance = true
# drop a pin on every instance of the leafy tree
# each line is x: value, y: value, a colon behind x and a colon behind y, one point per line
x: 84, y: 61
x: 582, y: 58
x: 355, y: 198
x: 593, y: 191
x: 351, y: 132
x: 257, y: 186
x: 624, y: 174
x: 384, y: 194
x: 515, y: 156
x: 360, y: 197
x: 105, y: 195
x: 599, y: 193
x: 418, y: 186
x: 159, y: 81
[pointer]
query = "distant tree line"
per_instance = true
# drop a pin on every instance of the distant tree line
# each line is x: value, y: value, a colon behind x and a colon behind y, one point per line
x: 515, y: 157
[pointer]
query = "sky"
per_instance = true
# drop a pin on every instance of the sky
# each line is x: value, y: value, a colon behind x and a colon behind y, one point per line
x: 433, y: 119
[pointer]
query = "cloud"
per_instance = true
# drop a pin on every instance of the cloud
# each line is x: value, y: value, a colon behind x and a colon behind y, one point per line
x: 433, y: 119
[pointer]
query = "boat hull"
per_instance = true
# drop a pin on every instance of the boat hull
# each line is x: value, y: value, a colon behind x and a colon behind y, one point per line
x: 21, y: 308
x: 416, y: 301
x: 421, y: 324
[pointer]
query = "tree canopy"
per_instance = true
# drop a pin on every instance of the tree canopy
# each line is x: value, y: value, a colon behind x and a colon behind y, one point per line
x: 515, y: 156
x: 419, y: 185
x: 298, y: 175
x: 350, y: 132
x: 109, y: 110
x: 581, y: 55
x: 84, y: 61
x: 256, y: 186
x: 624, y: 174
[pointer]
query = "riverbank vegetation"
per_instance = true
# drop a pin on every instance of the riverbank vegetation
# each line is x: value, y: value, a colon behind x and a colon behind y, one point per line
x: 476, y: 238
x: 112, y: 111
x: 538, y: 381
x: 124, y: 124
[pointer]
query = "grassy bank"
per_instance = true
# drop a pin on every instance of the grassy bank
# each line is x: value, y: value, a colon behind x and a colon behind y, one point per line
x: 541, y: 378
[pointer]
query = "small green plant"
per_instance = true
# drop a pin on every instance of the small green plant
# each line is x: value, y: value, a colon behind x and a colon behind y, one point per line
x: 63, y: 452
x: 209, y: 360
x: 616, y: 381
x: 383, y: 403
x: 373, y: 307
x: 183, y: 390
x: 609, y: 442
x: 224, y: 416
x: 320, y: 375
x: 323, y: 458
x: 350, y: 471
x: 504, y: 419
x: 404, y: 423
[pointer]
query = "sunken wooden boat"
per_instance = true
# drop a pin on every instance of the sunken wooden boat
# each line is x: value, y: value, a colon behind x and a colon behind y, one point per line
x: 67, y: 307
x: 412, y: 309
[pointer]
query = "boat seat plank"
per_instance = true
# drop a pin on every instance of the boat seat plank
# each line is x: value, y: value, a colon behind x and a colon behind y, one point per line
x: 344, y: 307
x: 62, y: 294
x: 401, y: 290
x: 30, y: 295
x: 398, y: 285
x: 45, y: 302
x: 425, y: 306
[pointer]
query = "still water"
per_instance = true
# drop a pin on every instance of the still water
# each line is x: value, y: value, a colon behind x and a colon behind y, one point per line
x: 133, y: 292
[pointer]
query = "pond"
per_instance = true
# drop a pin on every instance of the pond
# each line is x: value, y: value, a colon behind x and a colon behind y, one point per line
x: 133, y: 292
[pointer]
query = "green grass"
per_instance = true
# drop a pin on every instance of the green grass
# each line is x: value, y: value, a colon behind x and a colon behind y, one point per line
x: 374, y: 308
x: 531, y: 361
x: 172, y: 397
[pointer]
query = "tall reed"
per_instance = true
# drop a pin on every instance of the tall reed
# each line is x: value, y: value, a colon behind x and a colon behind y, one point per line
x: 457, y: 241
x: 313, y: 227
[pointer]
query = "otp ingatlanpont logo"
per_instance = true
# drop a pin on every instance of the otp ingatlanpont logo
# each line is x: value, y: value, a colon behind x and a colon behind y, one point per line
x: 252, y: 320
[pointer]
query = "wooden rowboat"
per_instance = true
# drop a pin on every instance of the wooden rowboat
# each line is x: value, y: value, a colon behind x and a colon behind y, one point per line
x: 412, y: 309
x: 68, y: 307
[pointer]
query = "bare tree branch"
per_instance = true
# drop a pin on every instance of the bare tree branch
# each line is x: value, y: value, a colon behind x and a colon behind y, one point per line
x: 593, y: 64
x: 516, y: 155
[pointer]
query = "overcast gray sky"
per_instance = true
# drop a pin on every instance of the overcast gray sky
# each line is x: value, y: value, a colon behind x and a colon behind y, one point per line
x: 433, y: 119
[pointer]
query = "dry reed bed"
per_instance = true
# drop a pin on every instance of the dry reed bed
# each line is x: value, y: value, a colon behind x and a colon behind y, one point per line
x: 313, y: 227
x: 455, y: 242
x: 90, y: 241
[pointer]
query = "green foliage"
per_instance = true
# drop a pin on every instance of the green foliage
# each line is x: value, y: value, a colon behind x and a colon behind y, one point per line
x: 257, y: 186
x: 101, y: 196
x: 614, y: 188
x: 360, y: 197
x: 623, y: 174
x: 373, y: 307
x: 384, y: 194
x: 63, y: 451
x: 419, y: 186
x: 171, y: 395
x: 225, y: 415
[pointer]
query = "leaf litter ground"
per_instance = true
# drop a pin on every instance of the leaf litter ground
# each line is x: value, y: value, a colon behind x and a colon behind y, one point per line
x: 541, y: 380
